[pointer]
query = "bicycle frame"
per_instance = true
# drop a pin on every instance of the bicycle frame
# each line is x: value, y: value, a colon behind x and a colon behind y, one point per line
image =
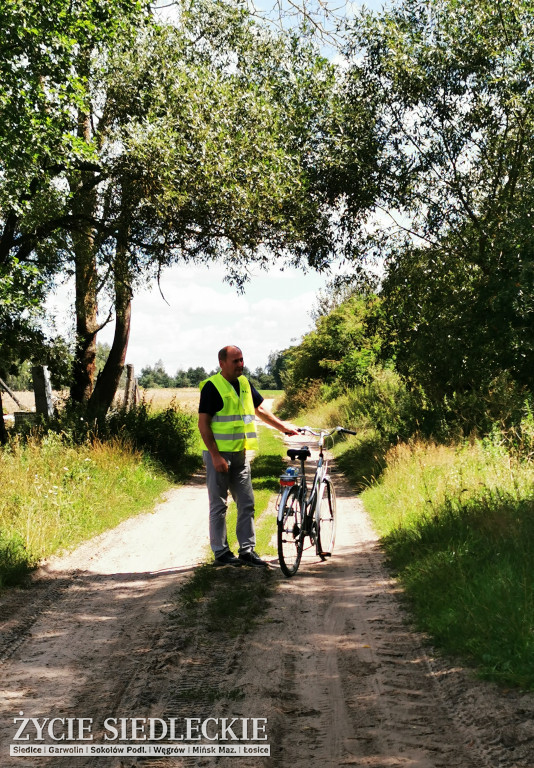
x: 303, y: 512
x: 309, y: 501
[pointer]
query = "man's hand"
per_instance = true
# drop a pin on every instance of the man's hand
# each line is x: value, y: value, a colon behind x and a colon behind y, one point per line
x: 219, y: 462
x: 290, y: 431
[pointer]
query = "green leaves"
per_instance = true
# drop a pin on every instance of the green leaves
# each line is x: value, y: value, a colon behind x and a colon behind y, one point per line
x: 219, y: 136
x: 127, y: 144
x: 453, y: 105
x: 341, y: 350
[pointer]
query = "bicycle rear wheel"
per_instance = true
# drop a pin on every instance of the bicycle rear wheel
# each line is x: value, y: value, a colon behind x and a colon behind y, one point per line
x: 325, y: 518
x: 290, y: 537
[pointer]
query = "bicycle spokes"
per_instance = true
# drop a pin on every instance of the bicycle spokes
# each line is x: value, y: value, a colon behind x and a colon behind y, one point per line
x: 290, y: 534
x: 304, y: 515
x: 326, y: 521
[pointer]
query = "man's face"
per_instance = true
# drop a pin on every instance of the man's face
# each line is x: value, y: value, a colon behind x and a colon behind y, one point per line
x: 232, y: 367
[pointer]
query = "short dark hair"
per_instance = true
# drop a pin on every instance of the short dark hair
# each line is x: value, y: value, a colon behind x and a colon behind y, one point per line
x: 223, y: 353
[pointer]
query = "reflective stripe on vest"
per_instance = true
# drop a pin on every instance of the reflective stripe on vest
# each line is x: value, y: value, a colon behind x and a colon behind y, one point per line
x: 234, y: 417
x: 234, y: 436
x: 233, y: 426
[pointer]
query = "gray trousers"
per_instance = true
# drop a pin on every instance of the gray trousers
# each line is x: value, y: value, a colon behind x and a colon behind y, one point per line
x: 238, y: 481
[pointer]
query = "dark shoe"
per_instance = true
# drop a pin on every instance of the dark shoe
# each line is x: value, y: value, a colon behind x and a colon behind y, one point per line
x: 251, y: 558
x: 228, y: 558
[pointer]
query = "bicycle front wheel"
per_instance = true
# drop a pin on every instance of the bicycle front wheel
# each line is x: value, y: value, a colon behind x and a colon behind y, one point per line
x: 325, y: 518
x: 290, y: 536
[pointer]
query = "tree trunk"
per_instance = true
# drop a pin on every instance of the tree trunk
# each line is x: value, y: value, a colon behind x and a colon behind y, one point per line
x: 86, y: 281
x: 109, y: 378
x: 84, y: 365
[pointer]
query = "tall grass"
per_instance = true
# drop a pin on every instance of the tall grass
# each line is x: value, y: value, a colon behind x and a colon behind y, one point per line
x: 55, y: 495
x: 457, y: 524
x: 166, y: 434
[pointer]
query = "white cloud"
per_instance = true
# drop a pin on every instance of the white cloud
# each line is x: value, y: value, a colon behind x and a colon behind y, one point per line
x: 200, y: 314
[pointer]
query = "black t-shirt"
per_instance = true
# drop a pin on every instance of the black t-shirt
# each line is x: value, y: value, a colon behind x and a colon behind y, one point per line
x: 211, y: 401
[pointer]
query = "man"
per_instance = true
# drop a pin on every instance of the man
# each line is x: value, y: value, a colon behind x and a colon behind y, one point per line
x: 226, y: 414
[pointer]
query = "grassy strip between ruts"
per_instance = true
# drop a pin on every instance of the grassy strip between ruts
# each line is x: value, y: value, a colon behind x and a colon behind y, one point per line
x: 233, y: 597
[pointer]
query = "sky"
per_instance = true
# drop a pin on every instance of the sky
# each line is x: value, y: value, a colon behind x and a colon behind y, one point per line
x: 200, y: 314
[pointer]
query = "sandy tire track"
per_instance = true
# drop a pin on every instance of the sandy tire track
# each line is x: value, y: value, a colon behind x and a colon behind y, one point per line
x: 348, y: 682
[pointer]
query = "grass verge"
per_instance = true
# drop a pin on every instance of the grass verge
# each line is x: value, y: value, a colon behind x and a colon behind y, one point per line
x: 457, y: 525
x: 56, y: 496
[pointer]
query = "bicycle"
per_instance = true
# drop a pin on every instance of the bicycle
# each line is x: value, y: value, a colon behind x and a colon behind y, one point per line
x: 302, y: 514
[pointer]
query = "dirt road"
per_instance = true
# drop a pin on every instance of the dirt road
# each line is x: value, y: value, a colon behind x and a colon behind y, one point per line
x: 332, y: 666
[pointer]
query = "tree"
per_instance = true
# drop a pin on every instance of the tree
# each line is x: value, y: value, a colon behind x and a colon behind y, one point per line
x: 196, y: 375
x: 155, y: 377
x: 451, y: 83
x: 21, y: 336
x: 262, y: 380
x: 341, y: 349
x: 165, y: 143
x: 43, y: 147
x: 181, y: 379
x: 275, y: 368
x: 35, y: 51
x: 216, y: 126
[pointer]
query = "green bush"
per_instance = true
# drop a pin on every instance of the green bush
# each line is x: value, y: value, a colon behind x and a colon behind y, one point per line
x: 385, y: 405
x: 167, y: 435
x: 299, y: 398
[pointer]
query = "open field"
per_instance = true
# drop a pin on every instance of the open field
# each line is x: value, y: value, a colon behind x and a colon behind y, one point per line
x: 187, y: 398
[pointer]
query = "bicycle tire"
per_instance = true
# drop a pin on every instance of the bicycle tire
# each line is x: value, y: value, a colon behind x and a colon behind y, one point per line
x: 290, y: 537
x: 325, y: 518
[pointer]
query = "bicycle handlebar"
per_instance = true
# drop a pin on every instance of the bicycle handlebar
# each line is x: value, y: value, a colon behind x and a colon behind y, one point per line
x: 325, y: 432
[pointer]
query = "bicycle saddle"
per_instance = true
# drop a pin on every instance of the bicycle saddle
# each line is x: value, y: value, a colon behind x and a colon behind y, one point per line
x: 299, y: 453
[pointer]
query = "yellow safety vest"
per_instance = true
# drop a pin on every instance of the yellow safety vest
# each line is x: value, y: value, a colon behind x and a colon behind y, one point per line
x: 233, y: 426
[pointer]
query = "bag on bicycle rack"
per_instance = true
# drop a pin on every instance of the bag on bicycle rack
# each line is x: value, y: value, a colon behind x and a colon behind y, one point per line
x: 289, y: 477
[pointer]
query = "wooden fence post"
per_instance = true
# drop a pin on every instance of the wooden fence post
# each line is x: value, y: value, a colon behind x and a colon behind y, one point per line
x: 43, y: 391
x: 130, y: 390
